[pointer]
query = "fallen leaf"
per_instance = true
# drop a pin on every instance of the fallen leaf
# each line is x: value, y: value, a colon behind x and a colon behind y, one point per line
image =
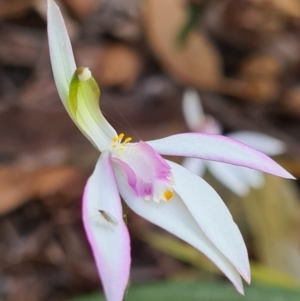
x: 14, y: 8
x: 292, y: 101
x: 197, y: 62
x: 261, y: 65
x: 261, y: 90
x: 289, y: 8
x: 113, y: 64
x: 81, y: 9
x: 19, y: 185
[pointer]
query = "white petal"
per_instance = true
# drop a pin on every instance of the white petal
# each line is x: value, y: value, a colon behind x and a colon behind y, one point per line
x: 237, y: 179
x: 175, y: 217
x: 192, y: 109
x: 195, y: 165
x: 105, y: 228
x: 261, y: 142
x: 61, y: 54
x: 212, y: 216
x: 231, y: 176
x: 255, y: 178
x: 217, y: 148
x: 194, y: 116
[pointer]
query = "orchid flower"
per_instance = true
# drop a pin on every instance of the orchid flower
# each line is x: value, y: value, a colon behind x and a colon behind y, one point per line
x: 237, y: 179
x: 159, y: 190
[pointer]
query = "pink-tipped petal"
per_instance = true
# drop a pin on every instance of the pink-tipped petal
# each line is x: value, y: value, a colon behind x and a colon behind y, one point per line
x: 261, y: 142
x: 217, y: 148
x: 212, y: 216
x: 175, y: 217
x: 105, y: 229
x: 196, y: 166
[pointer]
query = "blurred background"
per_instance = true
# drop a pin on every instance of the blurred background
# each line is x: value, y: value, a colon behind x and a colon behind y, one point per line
x: 242, y: 57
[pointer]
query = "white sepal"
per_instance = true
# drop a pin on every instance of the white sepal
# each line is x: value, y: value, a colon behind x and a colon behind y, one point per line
x: 105, y: 229
x: 61, y: 54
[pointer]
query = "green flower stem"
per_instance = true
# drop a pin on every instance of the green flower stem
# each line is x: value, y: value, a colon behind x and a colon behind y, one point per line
x: 125, y: 218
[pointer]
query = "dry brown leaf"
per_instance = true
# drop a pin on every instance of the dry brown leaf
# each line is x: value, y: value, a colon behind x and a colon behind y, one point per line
x: 244, y: 24
x: 261, y: 65
x: 18, y: 185
x: 50, y: 180
x: 261, y: 90
x: 14, y: 8
x: 197, y: 62
x: 19, y: 47
x: 114, y: 64
x: 292, y: 101
x: 290, y: 8
x: 82, y: 8
x: 15, y: 188
x: 260, y: 75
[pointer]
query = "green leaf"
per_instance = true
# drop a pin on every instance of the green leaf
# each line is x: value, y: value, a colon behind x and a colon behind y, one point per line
x: 272, y: 213
x: 177, y: 249
x: 195, y: 13
x: 200, y: 291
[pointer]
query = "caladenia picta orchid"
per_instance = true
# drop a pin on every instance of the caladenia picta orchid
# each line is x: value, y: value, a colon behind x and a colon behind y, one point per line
x: 238, y: 179
x: 159, y: 190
